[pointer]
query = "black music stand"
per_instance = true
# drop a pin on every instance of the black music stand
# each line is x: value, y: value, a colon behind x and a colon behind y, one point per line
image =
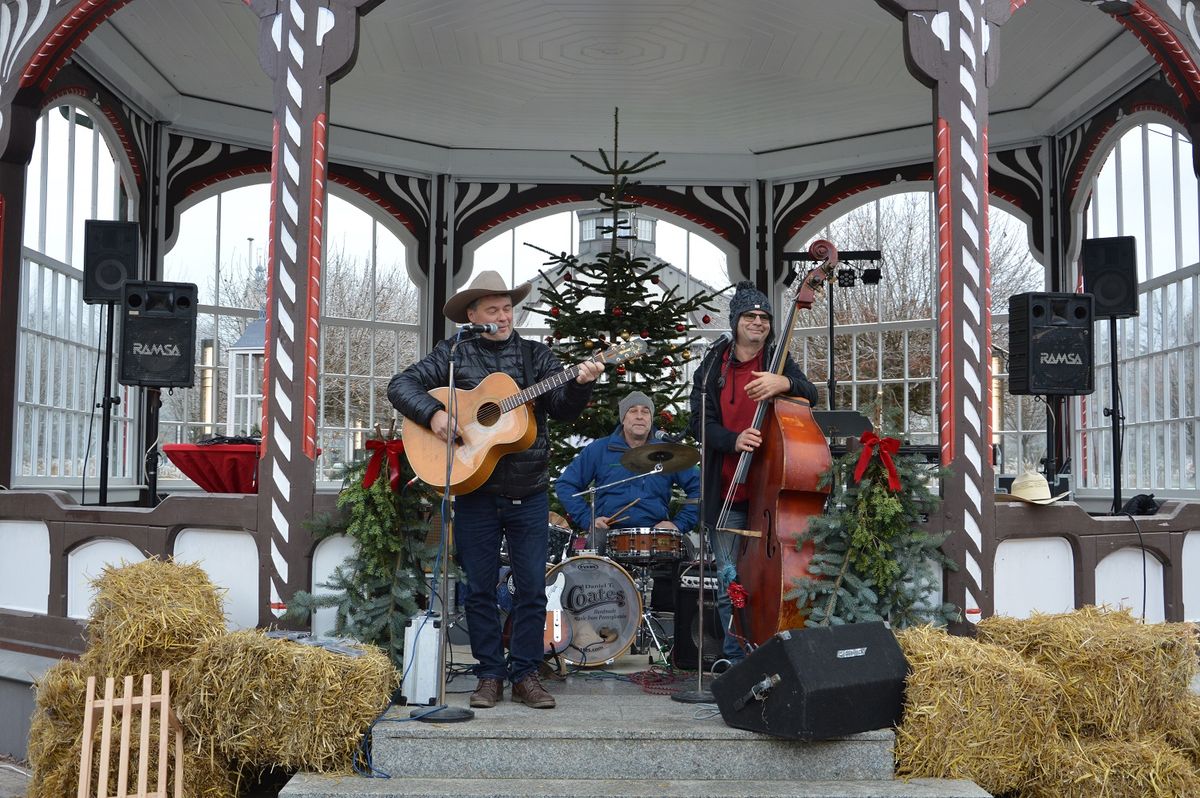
x: 842, y: 423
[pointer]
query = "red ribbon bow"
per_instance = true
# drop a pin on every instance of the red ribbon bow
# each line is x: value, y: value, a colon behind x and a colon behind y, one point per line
x: 392, y: 450
x: 886, y: 447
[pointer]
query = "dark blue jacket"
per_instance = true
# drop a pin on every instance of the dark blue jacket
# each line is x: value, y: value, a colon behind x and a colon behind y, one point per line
x: 600, y: 462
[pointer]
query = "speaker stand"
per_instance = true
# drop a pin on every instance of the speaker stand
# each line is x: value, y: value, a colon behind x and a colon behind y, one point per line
x: 153, y: 399
x: 106, y: 404
x: 1115, y: 413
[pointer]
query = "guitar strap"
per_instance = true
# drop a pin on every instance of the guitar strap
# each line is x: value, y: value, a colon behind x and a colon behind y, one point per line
x: 527, y: 361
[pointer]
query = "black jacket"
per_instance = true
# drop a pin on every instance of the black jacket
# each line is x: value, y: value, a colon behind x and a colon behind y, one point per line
x: 518, y: 474
x: 721, y: 441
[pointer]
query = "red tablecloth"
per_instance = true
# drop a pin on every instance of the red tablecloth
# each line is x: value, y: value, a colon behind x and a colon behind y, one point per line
x: 217, y: 467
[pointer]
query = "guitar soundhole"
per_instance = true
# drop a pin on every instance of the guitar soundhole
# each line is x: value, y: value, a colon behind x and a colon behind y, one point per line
x: 488, y: 414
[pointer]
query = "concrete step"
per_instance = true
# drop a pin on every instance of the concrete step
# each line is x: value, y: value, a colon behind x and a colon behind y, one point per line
x: 617, y: 738
x: 305, y: 785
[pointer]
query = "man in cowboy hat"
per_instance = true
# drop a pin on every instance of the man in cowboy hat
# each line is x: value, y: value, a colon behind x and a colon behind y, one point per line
x: 734, y: 377
x: 513, y: 503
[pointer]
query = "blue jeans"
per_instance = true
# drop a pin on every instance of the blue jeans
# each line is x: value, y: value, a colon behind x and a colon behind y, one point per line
x: 480, y: 521
x: 725, y: 547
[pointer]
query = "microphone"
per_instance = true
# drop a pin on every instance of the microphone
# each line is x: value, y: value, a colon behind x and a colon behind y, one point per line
x: 479, y: 328
x: 725, y: 336
x: 663, y: 435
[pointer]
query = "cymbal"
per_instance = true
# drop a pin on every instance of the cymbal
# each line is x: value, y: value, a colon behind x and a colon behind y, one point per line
x: 671, y: 456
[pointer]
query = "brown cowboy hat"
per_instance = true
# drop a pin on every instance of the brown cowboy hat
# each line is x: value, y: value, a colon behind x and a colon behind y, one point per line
x: 1031, y: 488
x: 486, y: 283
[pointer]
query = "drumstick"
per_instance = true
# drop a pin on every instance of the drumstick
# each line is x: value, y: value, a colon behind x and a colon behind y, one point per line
x: 626, y: 507
x: 617, y: 520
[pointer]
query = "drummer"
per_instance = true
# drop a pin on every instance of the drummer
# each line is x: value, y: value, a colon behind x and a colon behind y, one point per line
x: 646, y: 501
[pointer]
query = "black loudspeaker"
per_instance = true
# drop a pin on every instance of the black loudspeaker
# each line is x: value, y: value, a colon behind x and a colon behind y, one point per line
x: 1050, y: 344
x: 817, y: 683
x: 110, y: 258
x: 1109, y: 268
x: 686, y: 652
x: 158, y: 334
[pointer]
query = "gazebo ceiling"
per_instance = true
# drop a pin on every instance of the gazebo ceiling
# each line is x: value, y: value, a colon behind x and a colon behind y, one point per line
x: 718, y: 77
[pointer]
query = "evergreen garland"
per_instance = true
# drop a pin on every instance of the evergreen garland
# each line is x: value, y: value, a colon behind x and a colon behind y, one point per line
x: 379, y: 587
x: 872, y: 560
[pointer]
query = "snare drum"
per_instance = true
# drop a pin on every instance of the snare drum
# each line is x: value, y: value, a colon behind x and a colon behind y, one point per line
x: 603, y: 607
x: 642, y: 545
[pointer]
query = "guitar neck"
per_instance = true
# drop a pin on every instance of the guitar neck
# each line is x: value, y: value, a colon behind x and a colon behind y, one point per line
x: 536, y: 390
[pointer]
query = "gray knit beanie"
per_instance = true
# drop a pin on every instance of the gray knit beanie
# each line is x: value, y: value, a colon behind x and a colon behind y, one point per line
x: 631, y: 399
x: 745, y: 298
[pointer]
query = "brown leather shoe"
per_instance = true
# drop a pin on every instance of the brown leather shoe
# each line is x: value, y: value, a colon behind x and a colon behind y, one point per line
x: 487, y: 693
x: 529, y: 691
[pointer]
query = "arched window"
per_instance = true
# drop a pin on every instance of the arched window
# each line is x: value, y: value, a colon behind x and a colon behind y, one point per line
x: 697, y: 262
x: 76, y: 173
x: 1146, y: 189
x: 370, y: 318
x: 884, y: 335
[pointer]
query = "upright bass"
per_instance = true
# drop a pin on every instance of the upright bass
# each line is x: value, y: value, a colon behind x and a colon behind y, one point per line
x: 785, y: 469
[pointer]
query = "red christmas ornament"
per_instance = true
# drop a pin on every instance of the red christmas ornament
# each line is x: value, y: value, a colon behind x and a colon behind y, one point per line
x: 680, y: 327
x: 621, y: 370
x: 666, y: 361
x: 549, y: 339
x: 567, y: 277
x: 617, y: 311
x: 654, y: 279
x: 666, y: 416
x: 645, y: 333
x: 706, y: 318
x: 554, y: 312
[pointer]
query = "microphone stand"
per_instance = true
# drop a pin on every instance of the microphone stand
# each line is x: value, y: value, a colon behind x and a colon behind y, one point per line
x: 441, y: 712
x: 700, y: 695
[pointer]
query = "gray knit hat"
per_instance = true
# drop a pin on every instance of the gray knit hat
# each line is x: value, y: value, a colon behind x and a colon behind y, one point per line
x: 631, y: 399
x: 745, y: 298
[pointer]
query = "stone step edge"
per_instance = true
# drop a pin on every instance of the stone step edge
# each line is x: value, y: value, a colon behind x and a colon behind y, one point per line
x: 306, y: 784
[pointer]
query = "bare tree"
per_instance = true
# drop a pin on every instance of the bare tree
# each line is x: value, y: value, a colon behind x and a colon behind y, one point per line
x: 893, y: 361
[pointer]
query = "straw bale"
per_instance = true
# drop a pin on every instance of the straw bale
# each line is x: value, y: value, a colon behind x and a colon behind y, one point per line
x: 273, y: 702
x: 1120, y: 679
x: 1184, y: 734
x: 150, y: 615
x: 1095, y: 768
x: 972, y: 711
x: 55, y: 739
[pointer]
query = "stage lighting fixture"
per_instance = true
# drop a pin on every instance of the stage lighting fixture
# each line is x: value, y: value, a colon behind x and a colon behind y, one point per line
x: 846, y: 278
x: 871, y: 275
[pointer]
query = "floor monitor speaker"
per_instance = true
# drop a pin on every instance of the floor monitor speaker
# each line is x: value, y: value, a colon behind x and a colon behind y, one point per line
x: 817, y: 683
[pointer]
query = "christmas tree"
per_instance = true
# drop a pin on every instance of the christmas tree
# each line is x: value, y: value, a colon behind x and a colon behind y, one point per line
x: 590, y: 303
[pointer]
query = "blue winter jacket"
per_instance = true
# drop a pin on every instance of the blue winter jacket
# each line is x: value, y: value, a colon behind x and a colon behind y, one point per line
x: 600, y: 462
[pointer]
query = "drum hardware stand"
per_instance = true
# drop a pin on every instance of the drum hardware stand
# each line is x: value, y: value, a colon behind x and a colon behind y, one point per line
x: 440, y: 712
x: 645, y: 585
x: 701, y: 695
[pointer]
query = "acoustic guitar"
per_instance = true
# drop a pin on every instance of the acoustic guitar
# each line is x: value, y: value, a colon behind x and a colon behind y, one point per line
x: 494, y: 419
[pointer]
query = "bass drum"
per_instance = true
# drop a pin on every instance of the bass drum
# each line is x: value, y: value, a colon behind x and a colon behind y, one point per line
x: 603, y: 607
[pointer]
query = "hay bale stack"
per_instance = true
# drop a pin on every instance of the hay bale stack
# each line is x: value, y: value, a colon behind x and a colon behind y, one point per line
x: 271, y: 702
x: 972, y: 711
x: 55, y: 740
x: 1184, y: 734
x: 1120, y: 679
x: 1092, y: 768
x: 150, y: 616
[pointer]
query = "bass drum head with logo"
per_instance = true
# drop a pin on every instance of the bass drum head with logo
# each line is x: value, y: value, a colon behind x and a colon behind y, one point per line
x: 603, y: 607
